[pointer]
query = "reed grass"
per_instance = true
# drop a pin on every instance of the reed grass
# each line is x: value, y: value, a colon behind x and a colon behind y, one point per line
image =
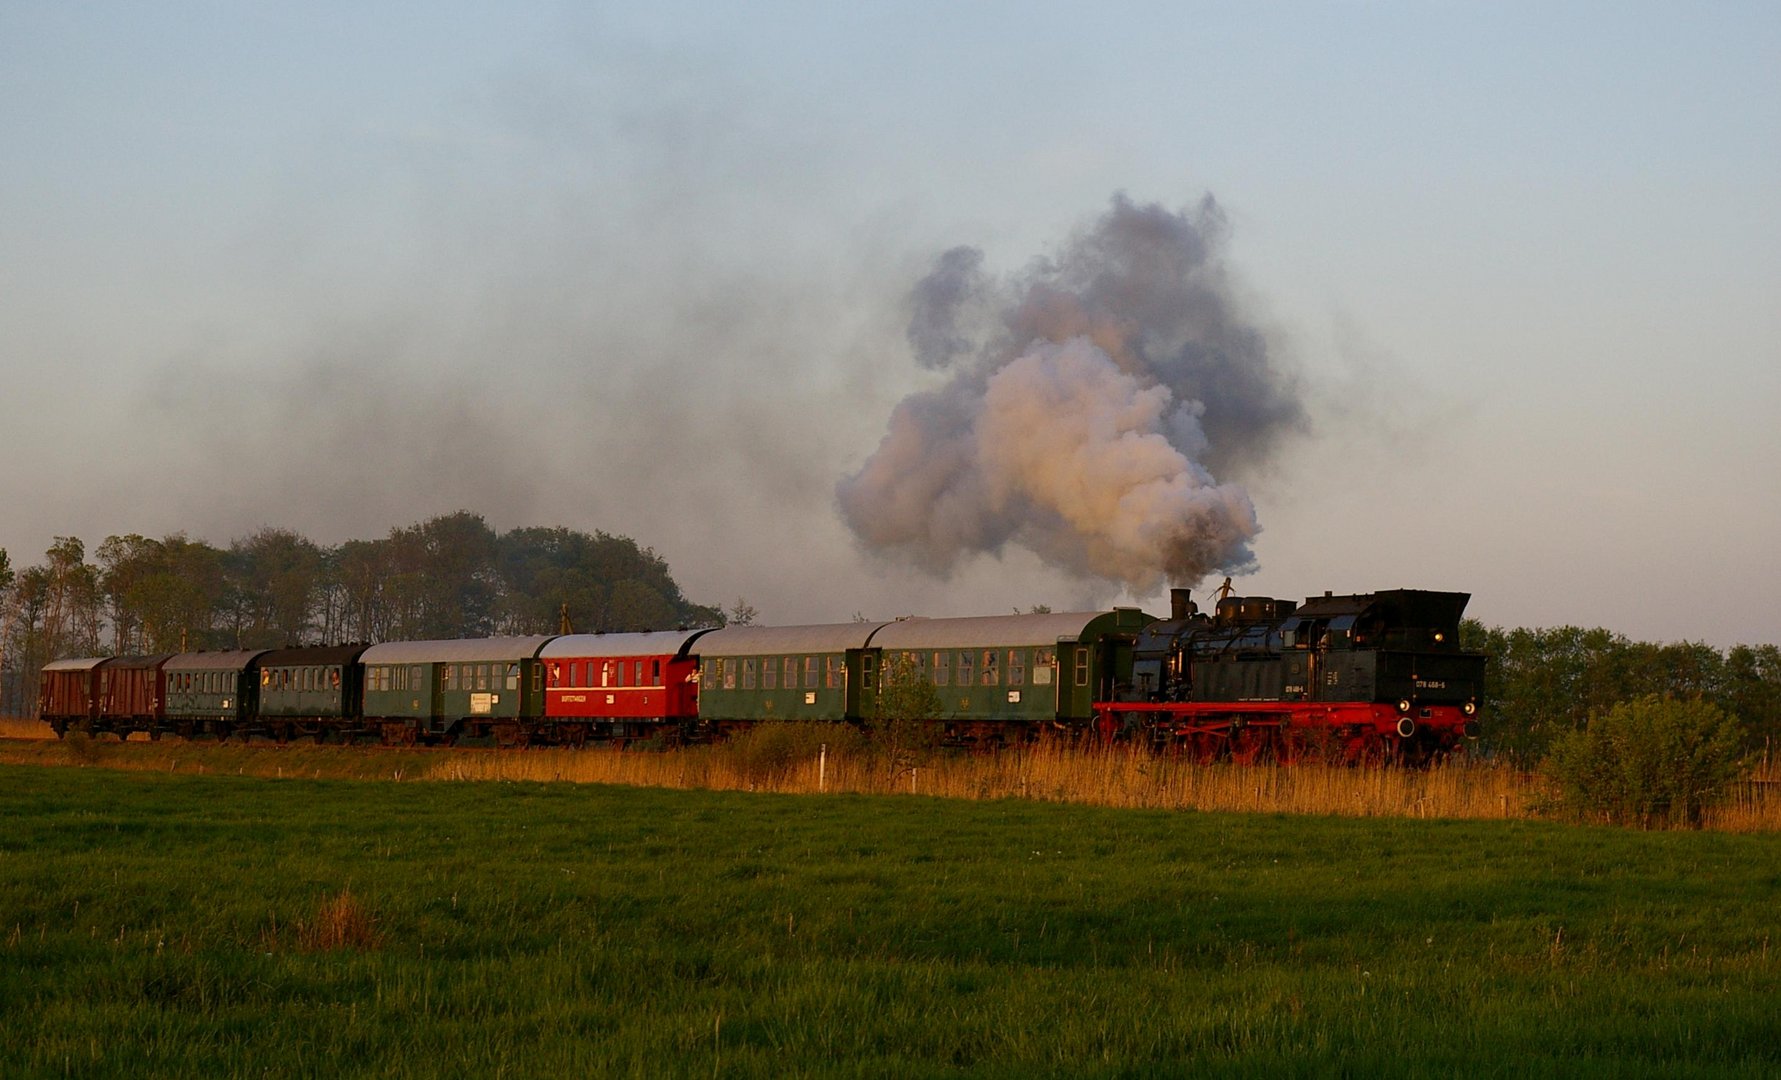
x: 1054, y: 772
x: 21, y: 727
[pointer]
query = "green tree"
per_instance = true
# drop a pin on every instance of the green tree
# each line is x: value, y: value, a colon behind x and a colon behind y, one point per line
x: 904, y: 727
x: 274, y: 585
x: 741, y: 613
x: 608, y: 582
x: 1752, y: 692
x: 1648, y: 761
x: 124, y: 563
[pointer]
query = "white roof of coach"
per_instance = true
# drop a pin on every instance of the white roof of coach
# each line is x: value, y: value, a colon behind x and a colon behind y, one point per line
x: 652, y: 643
x: 764, y: 640
x: 983, y: 631
x: 456, y: 650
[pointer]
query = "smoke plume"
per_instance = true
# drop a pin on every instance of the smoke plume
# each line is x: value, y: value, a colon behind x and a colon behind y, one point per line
x: 1093, y: 402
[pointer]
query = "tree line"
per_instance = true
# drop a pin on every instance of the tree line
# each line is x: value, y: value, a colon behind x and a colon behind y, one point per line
x: 1542, y: 684
x: 451, y: 576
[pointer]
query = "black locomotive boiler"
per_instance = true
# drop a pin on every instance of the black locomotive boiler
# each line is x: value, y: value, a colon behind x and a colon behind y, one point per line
x: 1360, y: 677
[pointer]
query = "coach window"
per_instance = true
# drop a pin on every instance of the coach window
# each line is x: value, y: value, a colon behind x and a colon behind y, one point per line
x: 749, y: 667
x: 727, y: 669
x: 416, y: 678
x: 990, y: 677
x: 769, y: 673
x: 637, y: 673
x: 655, y: 673
x: 482, y: 676
x: 605, y: 673
x: 1041, y: 667
x: 832, y: 672
x: 513, y: 676
x: 942, y: 667
x: 1081, y: 665
x: 868, y: 670
x: 333, y: 678
x: 1017, y: 667
x: 967, y: 669
x: 791, y: 673
x: 810, y: 680
x: 538, y: 679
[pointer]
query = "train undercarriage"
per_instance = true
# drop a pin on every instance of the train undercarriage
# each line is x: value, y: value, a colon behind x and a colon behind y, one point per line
x: 1290, y: 732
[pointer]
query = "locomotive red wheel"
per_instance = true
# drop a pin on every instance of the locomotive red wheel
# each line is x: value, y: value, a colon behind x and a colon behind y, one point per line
x: 1206, y: 746
x: 1249, y: 746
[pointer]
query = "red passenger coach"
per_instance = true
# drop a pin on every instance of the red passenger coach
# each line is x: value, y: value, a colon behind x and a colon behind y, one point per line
x: 623, y: 686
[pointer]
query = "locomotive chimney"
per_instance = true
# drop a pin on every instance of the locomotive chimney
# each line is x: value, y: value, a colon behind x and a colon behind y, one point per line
x: 1180, y: 607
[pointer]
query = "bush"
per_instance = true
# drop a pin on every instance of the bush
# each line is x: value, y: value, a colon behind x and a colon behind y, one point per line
x: 904, y: 727
x: 767, y: 753
x: 1648, y: 761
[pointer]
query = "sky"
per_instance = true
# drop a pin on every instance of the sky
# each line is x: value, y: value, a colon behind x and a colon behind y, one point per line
x: 334, y: 268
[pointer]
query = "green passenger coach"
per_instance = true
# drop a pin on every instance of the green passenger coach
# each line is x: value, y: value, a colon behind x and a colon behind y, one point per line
x: 752, y: 673
x: 999, y: 675
x: 308, y: 691
x: 473, y: 688
x: 212, y: 693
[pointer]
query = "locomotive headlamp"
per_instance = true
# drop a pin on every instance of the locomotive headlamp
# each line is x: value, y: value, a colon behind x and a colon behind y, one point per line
x: 1439, y: 637
x: 1403, y: 704
x: 1469, y: 708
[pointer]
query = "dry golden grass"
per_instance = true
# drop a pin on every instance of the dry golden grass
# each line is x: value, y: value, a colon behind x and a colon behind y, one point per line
x: 1121, y: 778
x: 21, y: 727
x: 1045, y: 771
x: 341, y: 921
x: 1053, y: 773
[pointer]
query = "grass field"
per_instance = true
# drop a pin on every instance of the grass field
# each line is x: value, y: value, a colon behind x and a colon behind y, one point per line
x: 169, y: 923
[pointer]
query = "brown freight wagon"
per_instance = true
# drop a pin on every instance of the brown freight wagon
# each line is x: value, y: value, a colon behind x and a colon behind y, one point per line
x: 67, y: 694
x: 132, y: 694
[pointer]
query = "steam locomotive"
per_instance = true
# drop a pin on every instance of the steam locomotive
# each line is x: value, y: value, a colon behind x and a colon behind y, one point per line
x: 1362, y: 676
x: 1372, y: 676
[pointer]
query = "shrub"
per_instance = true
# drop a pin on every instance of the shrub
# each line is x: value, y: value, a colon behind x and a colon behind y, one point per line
x: 767, y: 753
x: 904, y: 727
x: 1648, y: 761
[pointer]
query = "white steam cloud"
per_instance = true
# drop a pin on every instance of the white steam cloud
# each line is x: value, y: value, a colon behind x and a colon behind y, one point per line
x: 1099, y: 394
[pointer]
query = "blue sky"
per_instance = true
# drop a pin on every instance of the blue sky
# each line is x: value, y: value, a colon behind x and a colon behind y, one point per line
x: 338, y: 268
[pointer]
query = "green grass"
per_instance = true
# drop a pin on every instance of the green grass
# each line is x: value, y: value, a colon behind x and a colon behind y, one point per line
x: 158, y: 925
